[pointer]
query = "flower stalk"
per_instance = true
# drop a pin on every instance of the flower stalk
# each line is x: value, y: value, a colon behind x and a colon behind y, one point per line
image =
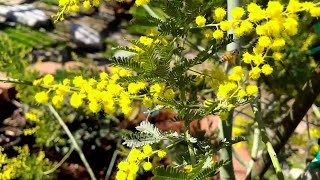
x: 73, y: 141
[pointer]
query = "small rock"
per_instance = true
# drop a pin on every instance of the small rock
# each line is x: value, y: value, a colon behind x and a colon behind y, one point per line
x: 25, y: 14
x: 86, y: 37
x: 46, y: 67
x: 13, y: 2
x: 295, y: 173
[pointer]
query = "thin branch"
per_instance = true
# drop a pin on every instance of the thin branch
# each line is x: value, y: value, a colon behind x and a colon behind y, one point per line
x: 245, y: 114
x: 60, y: 163
x: 254, y: 151
x: 309, y: 138
x: 266, y: 140
x: 113, y: 160
x: 15, y: 81
x: 239, y: 158
x: 73, y: 141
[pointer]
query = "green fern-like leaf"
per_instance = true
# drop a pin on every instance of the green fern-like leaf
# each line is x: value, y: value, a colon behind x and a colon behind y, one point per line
x: 169, y: 173
x: 126, y: 62
x: 208, y: 172
x: 141, y: 77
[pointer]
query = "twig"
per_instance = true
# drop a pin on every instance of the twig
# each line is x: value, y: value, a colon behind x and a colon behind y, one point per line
x: 239, y: 158
x: 309, y: 138
x: 60, y: 163
x: 113, y: 160
x: 240, y: 112
x: 73, y: 141
x: 15, y: 81
x: 254, y: 150
x: 266, y: 140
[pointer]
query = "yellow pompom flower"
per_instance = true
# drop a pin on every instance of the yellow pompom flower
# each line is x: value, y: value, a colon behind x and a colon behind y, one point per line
x: 96, y: 3
x: 277, y: 56
x: 291, y: 26
x: 147, y: 166
x: 252, y: 89
x: 247, y: 26
x: 224, y: 89
x: 121, y: 175
x: 247, y: 57
x: 266, y: 69
x: 63, y: 2
x: 217, y: 34
x: 94, y: 106
x: 48, y: 79
x: 188, y: 168
x: 133, y: 89
x: 145, y: 40
x: 256, y: 13
x: 134, y: 168
x: 156, y: 89
x: 219, y: 14
x: 162, y: 154
x: 225, y: 25
x: 169, y: 94
x: 274, y: 9
x: 315, y: 11
x: 74, y: 8
x: 307, y: 5
x: 123, y: 166
x: 237, y: 73
x: 242, y: 93
x: 37, y: 82
x: 78, y: 81
x: 254, y: 73
x: 109, y: 109
x: 147, y: 102
x: 264, y: 41
x: 252, y: 7
x: 134, y: 156
x: 76, y: 100
x: 103, y: 76
x: 239, y: 32
x: 42, y: 97
x: 258, y: 59
x: 66, y: 82
x: 237, y: 13
x: 278, y: 43
x: 147, y: 150
x: 200, y: 21
x: 57, y: 100
x: 32, y: 116
x: 142, y: 2
x: 293, y: 6
x: 87, y: 4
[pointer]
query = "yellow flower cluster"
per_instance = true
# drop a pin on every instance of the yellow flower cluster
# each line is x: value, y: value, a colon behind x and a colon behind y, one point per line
x: 273, y: 25
x: 188, y: 168
x: 14, y: 167
x: 104, y: 94
x: 128, y: 169
x: 70, y: 6
x: 232, y: 88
